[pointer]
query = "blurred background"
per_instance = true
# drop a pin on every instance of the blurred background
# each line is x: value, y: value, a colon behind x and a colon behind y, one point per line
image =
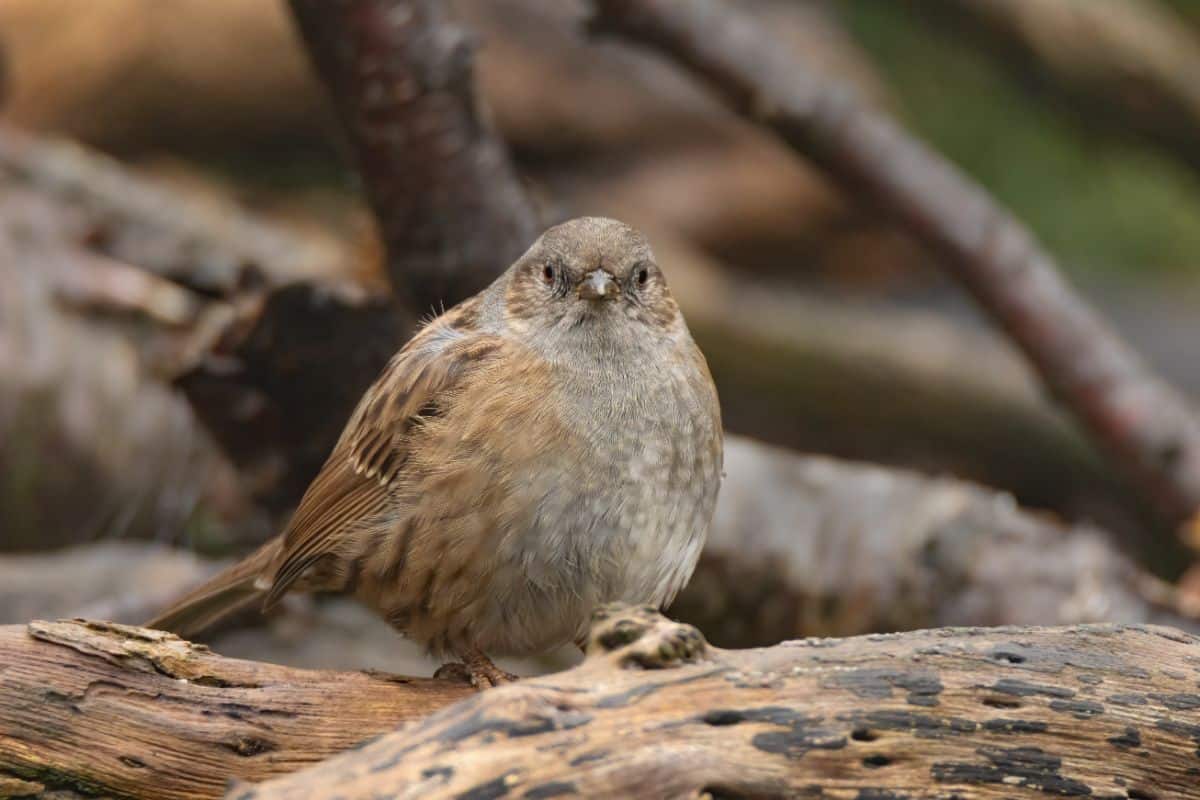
x: 182, y: 235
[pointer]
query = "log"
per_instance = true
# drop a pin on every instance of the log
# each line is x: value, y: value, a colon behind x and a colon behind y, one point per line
x: 1151, y: 432
x: 1101, y: 711
x: 102, y: 709
x: 106, y: 709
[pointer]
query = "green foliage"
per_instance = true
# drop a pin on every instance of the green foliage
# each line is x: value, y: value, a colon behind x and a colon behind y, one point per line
x: 1098, y: 203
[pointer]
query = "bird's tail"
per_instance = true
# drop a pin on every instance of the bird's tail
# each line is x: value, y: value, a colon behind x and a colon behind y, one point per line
x: 231, y: 590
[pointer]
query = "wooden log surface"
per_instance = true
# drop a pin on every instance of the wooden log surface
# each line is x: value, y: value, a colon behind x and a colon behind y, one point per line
x: 1101, y: 711
x: 113, y: 710
x: 1104, y: 711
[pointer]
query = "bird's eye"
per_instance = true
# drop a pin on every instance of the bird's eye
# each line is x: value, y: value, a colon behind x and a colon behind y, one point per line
x: 548, y: 274
x: 643, y: 275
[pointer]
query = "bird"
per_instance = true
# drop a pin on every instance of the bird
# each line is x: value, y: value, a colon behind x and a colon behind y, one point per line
x: 552, y: 444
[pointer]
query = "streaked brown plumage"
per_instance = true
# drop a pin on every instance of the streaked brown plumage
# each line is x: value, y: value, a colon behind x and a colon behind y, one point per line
x: 546, y: 446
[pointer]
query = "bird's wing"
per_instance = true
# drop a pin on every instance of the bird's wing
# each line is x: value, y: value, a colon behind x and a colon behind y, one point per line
x: 354, y: 484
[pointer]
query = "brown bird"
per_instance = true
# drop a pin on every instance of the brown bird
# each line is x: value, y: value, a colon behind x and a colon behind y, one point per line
x: 546, y: 446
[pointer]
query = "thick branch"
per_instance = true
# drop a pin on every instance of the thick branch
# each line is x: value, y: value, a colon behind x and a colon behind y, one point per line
x: 451, y: 210
x: 114, y: 710
x: 653, y: 713
x: 1148, y: 428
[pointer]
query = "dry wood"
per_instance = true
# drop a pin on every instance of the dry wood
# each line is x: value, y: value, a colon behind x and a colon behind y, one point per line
x: 1149, y: 429
x: 107, y: 709
x: 1106, y: 711
x: 1100, y: 711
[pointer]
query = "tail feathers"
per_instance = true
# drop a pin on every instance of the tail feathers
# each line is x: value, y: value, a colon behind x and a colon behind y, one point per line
x: 232, y: 590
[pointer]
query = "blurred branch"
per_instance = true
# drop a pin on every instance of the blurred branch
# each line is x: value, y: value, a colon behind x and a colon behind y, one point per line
x: 804, y: 546
x: 449, y: 205
x: 1150, y: 431
x: 1128, y: 66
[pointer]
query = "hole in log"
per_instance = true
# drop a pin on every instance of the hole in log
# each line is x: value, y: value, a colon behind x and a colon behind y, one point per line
x: 1010, y: 657
x: 1001, y: 701
x: 1140, y: 794
x: 863, y: 735
x: 876, y: 761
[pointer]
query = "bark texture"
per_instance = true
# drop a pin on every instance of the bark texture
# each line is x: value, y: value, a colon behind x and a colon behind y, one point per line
x: 1150, y: 430
x: 1102, y: 711
x: 113, y: 710
x: 451, y: 211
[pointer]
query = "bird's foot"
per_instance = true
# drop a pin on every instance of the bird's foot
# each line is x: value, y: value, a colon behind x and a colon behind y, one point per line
x: 476, y: 669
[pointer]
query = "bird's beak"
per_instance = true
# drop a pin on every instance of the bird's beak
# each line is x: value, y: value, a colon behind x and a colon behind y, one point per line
x: 599, y: 284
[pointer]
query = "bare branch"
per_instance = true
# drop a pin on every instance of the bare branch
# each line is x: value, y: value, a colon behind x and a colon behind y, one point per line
x: 449, y: 205
x: 1147, y: 427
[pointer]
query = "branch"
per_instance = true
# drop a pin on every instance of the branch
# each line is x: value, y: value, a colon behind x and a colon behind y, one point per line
x: 102, y: 709
x: 450, y: 208
x: 110, y: 709
x: 1146, y: 426
x: 653, y: 712
x: 1124, y: 65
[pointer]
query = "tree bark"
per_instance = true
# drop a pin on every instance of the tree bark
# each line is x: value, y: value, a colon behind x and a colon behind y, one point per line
x: 653, y: 712
x: 451, y: 210
x: 1105, y: 710
x: 1150, y: 430
x: 105, y: 709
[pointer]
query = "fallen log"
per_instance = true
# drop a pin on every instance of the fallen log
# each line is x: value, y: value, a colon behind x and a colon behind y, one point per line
x: 1104, y: 710
x: 105, y: 709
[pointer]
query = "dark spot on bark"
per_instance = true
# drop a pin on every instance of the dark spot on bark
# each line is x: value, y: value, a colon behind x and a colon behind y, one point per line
x: 132, y: 761
x: 923, y: 726
x: 1002, y: 702
x: 722, y: 717
x: 1140, y: 794
x: 1027, y: 767
x: 1128, y: 699
x: 804, y: 733
x: 1024, y: 689
x: 438, y: 772
x: 863, y: 735
x: 1008, y: 654
x: 880, y: 794
x: 1178, y: 702
x: 876, y: 760
x: 594, y: 755
x: 487, y: 791
x: 1080, y: 709
x: 1002, y: 725
x: 922, y: 687
x: 1130, y: 738
x: 248, y: 746
x: 552, y: 789
x: 1180, y: 729
x: 478, y: 723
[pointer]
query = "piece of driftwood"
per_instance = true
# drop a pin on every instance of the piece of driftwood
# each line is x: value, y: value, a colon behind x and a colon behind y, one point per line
x: 452, y: 214
x: 1149, y: 429
x: 1100, y: 711
x: 104, y: 709
x: 1104, y: 711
